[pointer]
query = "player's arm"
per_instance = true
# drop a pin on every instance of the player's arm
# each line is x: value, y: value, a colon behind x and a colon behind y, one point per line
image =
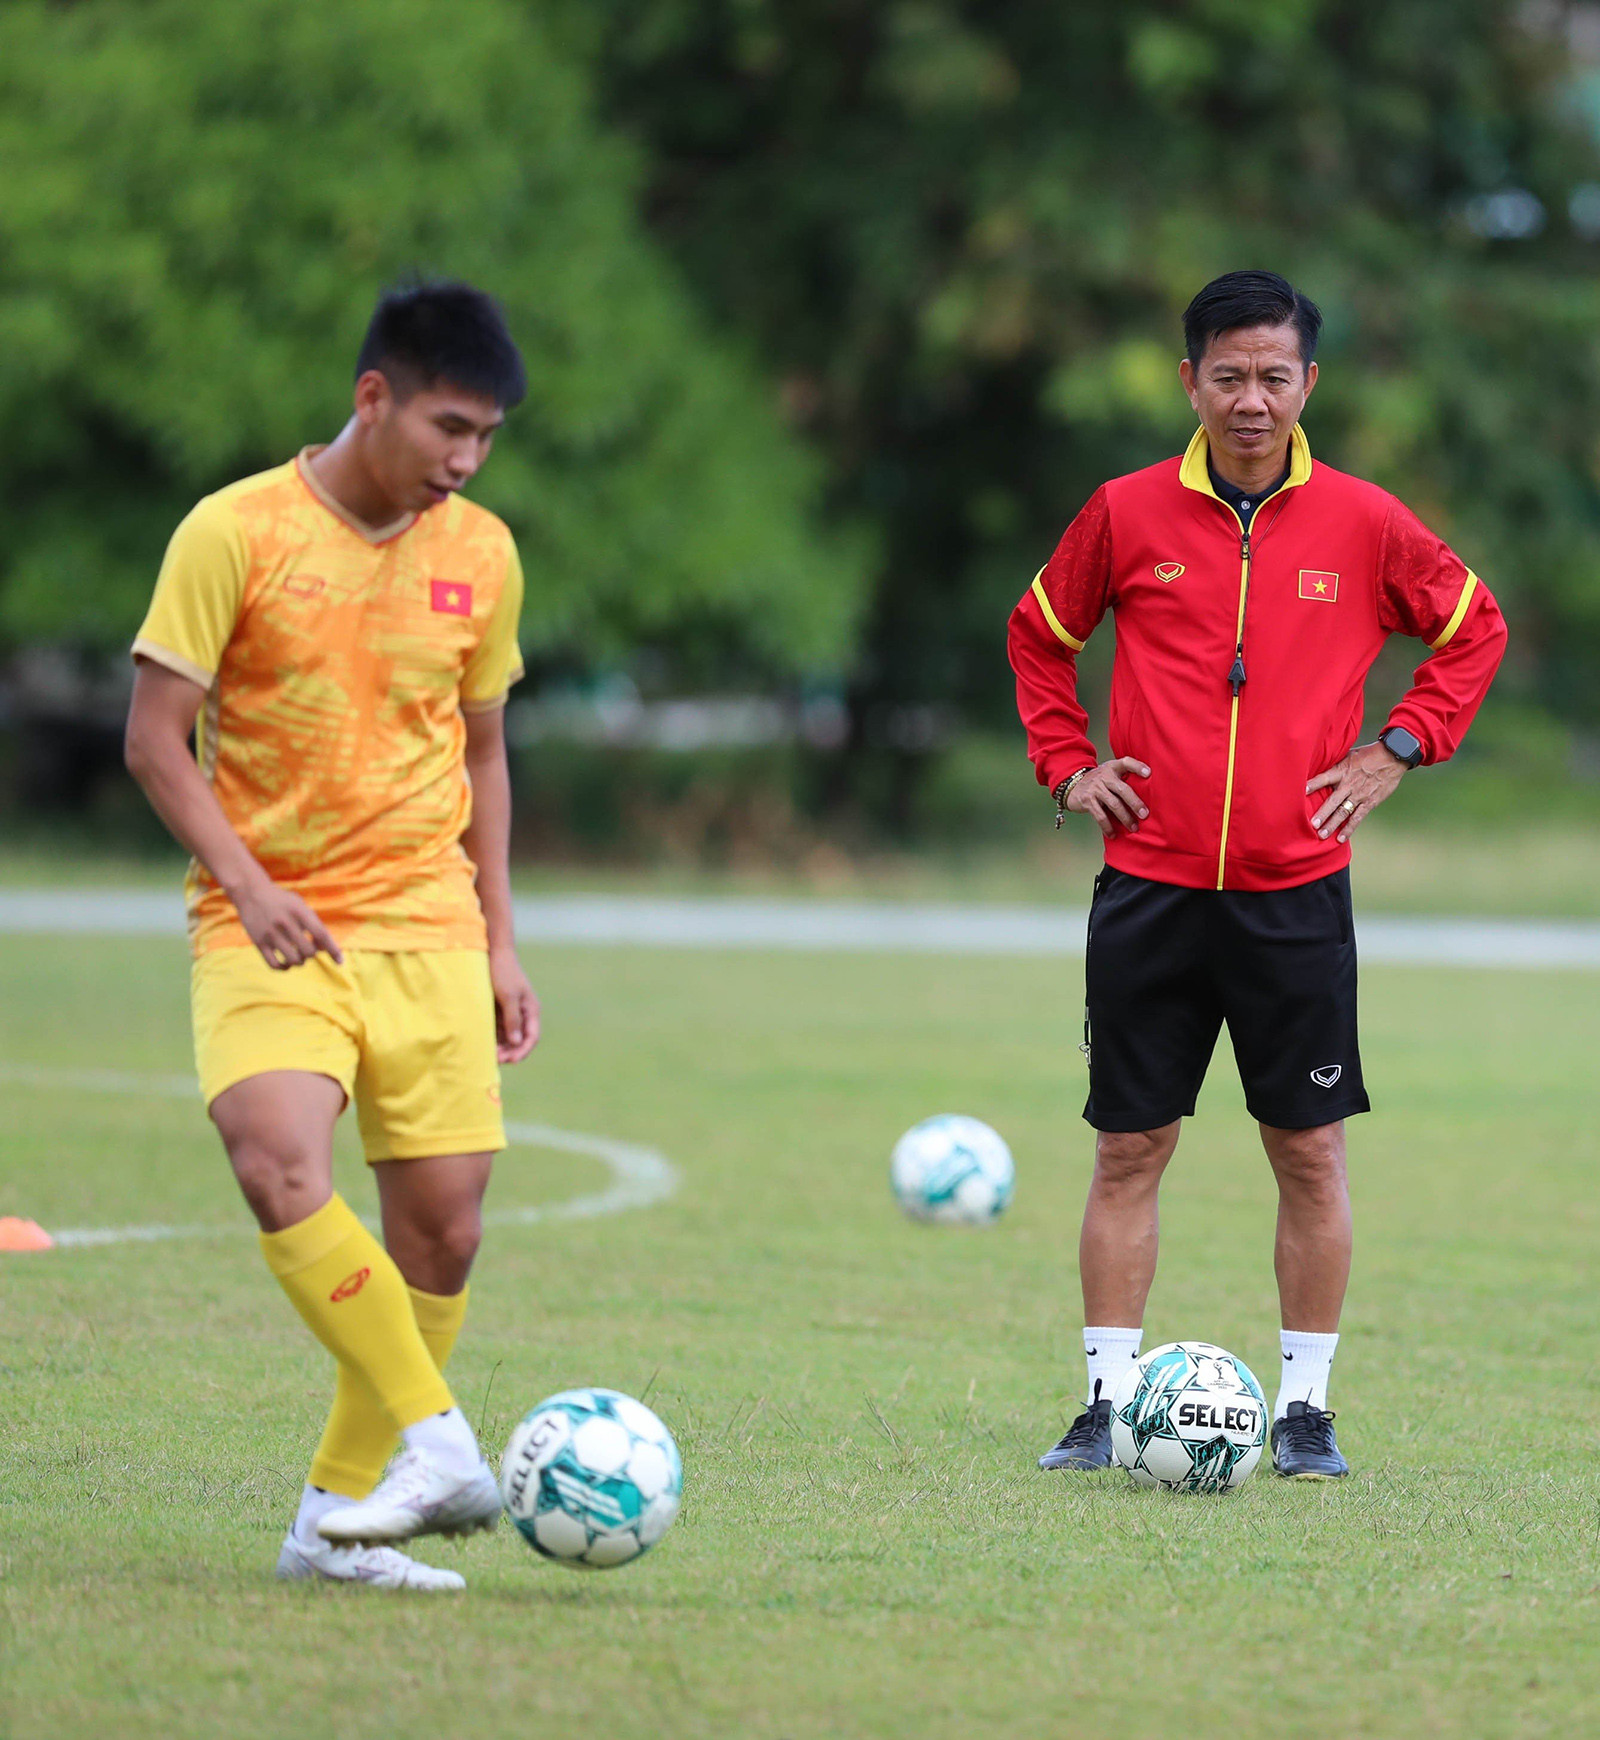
x: 1047, y: 631
x: 493, y: 667
x: 1424, y: 590
x: 156, y: 749
x: 487, y: 842
x: 192, y: 618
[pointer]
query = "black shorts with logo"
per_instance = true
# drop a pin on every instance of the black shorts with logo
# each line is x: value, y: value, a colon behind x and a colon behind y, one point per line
x: 1167, y: 966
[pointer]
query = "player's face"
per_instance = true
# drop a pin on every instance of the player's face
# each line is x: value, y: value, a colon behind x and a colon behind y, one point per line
x: 424, y: 447
x: 1249, y: 391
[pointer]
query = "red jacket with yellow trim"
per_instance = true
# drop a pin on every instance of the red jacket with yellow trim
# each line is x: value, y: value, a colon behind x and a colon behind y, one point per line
x: 1332, y: 566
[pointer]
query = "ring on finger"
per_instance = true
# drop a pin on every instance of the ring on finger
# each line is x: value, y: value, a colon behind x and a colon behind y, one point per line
x: 1349, y: 806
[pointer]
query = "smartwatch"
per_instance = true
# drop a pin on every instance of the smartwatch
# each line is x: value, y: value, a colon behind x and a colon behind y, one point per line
x: 1401, y: 744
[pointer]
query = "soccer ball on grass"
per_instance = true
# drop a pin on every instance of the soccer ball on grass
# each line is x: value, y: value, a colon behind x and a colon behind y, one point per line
x: 591, y: 1478
x: 952, y: 1169
x: 1189, y: 1417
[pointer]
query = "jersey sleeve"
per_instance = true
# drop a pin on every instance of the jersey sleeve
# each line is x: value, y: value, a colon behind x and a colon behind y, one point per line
x: 1048, y: 629
x: 496, y: 661
x: 198, y: 594
x: 1426, y: 590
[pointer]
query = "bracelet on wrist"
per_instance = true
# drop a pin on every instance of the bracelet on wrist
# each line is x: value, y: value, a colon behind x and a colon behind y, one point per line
x: 1064, y: 791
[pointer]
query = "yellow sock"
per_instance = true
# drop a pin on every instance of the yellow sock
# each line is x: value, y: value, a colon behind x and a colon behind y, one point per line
x: 439, y: 1316
x: 358, y: 1439
x: 353, y: 1299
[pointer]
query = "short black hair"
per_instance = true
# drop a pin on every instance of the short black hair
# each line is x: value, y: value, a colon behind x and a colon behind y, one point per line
x: 427, y: 331
x: 1249, y: 299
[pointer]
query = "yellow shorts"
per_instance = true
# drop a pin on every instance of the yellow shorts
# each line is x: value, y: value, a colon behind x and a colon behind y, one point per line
x: 410, y: 1037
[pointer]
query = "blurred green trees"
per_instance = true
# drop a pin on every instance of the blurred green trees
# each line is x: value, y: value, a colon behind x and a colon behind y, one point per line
x: 836, y: 310
x: 963, y: 234
x: 199, y: 204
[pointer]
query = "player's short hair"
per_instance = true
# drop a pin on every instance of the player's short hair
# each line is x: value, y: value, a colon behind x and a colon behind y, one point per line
x: 1249, y: 299
x: 427, y: 331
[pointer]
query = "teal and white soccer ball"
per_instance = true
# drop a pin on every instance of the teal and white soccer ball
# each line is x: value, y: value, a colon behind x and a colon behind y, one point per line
x: 591, y: 1478
x: 952, y: 1169
x: 1189, y: 1417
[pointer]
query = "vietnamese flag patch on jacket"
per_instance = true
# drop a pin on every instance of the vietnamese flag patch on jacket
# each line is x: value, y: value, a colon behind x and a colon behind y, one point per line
x: 453, y: 597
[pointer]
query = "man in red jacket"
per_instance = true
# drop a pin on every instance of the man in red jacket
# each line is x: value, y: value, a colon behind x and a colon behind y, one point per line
x: 1252, y: 590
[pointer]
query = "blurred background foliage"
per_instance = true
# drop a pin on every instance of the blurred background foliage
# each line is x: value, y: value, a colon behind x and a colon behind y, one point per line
x: 201, y: 203
x: 836, y: 311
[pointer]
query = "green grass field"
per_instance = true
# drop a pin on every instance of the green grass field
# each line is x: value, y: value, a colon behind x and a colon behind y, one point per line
x: 865, y: 1547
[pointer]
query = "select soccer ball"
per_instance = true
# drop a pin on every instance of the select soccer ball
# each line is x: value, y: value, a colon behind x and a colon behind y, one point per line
x: 952, y: 1169
x: 591, y: 1478
x: 1189, y: 1417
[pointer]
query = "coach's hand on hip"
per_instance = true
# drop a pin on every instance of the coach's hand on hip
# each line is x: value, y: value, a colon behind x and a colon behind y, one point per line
x: 1359, y: 783
x: 1103, y: 792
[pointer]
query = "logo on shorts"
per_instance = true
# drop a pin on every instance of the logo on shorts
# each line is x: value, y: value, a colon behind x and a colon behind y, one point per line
x: 1168, y: 571
x: 494, y: 1094
x: 349, y: 1286
x: 1328, y: 1074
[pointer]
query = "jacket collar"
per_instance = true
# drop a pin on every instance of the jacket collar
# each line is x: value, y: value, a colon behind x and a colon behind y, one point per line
x: 1194, y: 473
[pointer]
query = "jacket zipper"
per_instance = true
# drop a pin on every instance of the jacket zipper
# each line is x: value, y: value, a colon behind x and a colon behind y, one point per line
x: 1236, y: 681
x: 1236, y: 676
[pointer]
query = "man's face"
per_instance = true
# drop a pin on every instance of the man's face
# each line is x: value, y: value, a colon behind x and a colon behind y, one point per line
x: 424, y: 447
x: 1249, y: 391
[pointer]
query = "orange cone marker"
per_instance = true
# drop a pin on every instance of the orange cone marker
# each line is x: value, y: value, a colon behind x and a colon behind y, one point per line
x: 23, y: 1235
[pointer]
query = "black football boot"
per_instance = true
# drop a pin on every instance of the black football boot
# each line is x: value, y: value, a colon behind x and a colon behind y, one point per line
x: 1303, y: 1445
x: 1087, y: 1444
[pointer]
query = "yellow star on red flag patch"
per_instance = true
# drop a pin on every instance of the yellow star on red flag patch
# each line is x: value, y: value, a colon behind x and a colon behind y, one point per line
x: 1319, y: 586
x: 452, y: 597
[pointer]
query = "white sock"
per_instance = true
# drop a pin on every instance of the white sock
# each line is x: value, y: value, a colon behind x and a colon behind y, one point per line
x: 315, y: 1503
x: 448, y: 1439
x: 1307, y: 1360
x: 1110, y: 1352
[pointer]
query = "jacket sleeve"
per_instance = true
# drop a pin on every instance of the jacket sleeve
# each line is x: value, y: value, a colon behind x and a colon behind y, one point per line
x: 1048, y: 629
x: 1426, y: 590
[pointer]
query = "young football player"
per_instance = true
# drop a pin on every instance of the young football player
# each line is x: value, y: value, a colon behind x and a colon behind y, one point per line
x: 340, y: 633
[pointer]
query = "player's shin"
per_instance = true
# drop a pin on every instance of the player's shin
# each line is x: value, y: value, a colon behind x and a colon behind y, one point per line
x: 354, y: 1300
x: 359, y: 1438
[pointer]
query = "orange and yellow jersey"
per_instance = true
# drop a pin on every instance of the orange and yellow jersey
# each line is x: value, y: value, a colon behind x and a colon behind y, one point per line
x: 337, y: 659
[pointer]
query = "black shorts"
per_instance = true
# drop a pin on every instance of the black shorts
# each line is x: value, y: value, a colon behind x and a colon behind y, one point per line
x: 1167, y: 966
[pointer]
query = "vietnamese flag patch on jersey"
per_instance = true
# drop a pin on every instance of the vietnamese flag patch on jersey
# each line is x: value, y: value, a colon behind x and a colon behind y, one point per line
x: 1313, y: 584
x: 453, y: 597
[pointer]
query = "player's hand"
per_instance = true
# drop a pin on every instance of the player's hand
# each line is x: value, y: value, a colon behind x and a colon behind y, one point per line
x: 280, y: 924
x: 516, y: 1009
x: 1355, y: 787
x: 1104, y: 793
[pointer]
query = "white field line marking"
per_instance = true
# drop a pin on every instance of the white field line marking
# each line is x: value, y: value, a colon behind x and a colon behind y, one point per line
x: 639, y: 1176
x: 634, y: 921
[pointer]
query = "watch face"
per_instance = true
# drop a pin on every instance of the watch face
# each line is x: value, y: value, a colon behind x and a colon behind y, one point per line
x: 1398, y: 741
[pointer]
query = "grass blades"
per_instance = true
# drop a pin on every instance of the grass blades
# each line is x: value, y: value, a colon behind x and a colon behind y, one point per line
x: 865, y: 1547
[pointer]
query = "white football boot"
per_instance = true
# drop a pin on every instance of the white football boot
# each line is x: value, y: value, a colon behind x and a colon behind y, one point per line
x: 417, y: 1497
x: 382, y: 1567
